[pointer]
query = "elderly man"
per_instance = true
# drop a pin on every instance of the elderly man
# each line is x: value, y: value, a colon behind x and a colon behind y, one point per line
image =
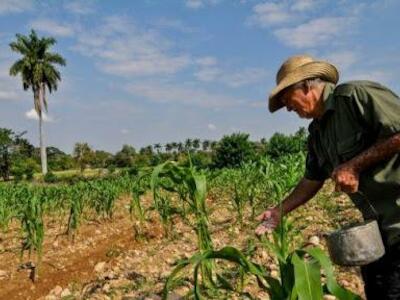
x: 354, y: 138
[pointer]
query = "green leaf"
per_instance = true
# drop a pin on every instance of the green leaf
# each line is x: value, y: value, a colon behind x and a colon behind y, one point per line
x: 333, y: 287
x: 307, y: 278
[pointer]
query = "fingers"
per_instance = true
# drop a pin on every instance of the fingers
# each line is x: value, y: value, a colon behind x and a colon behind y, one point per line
x: 346, y: 180
x: 265, y: 215
x: 350, y: 186
x: 265, y: 227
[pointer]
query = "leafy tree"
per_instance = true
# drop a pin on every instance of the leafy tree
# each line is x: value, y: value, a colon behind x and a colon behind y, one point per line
x: 206, y: 145
x: 16, y: 155
x: 180, y: 147
x: 83, y: 155
x: 101, y: 159
x: 233, y: 150
x: 168, y: 147
x: 157, y: 147
x: 25, y: 148
x: 196, y: 143
x: 280, y: 144
x: 23, y: 166
x: 59, y: 160
x: 174, y: 146
x: 6, y: 144
x: 38, y: 72
x: 188, y: 144
x: 125, y: 157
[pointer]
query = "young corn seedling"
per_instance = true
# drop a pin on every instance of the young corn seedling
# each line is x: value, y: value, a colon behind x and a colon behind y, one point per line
x: 176, y: 179
x: 77, y: 195
x: 299, y: 269
x: 31, y: 218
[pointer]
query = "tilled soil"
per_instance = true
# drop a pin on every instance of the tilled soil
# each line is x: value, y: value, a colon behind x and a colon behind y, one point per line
x: 109, y: 260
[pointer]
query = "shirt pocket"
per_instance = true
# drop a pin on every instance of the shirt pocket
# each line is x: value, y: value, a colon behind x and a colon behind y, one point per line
x: 350, y: 146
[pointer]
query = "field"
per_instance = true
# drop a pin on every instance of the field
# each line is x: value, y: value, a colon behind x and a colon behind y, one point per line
x: 121, y: 237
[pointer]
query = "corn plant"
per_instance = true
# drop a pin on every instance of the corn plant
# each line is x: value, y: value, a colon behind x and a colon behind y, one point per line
x: 77, y: 195
x: 300, y: 271
x: 30, y: 215
x: 103, y: 195
x: 187, y: 180
x: 7, y: 209
x: 138, y: 188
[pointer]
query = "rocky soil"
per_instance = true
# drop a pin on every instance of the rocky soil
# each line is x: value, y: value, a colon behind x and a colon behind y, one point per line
x: 109, y: 260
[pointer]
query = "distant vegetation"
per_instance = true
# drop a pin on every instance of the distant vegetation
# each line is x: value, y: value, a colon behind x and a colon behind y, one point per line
x: 20, y: 160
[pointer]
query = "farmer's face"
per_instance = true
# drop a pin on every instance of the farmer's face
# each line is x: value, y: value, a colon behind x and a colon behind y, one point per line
x: 301, y: 100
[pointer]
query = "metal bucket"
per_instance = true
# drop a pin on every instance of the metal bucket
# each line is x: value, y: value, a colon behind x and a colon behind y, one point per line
x: 356, y: 246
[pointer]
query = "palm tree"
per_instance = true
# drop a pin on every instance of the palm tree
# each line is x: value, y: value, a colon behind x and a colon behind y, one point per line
x: 37, y: 72
x: 83, y: 154
x: 174, y: 146
x: 157, y: 147
x: 188, y: 144
x: 168, y: 147
x: 206, y: 145
x: 196, y: 143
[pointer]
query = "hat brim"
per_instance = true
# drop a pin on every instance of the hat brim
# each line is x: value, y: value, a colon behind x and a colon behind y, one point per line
x: 315, y: 69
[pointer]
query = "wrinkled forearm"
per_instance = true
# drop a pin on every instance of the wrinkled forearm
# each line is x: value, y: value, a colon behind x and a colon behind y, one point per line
x: 304, y: 191
x: 380, y: 151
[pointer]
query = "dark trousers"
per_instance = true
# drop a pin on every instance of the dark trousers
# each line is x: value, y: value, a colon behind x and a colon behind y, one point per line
x: 382, y: 277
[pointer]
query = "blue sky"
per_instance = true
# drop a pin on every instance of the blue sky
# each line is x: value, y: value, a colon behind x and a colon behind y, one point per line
x: 145, y: 72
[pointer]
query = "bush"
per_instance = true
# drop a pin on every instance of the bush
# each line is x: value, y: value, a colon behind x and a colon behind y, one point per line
x: 233, y: 150
x: 111, y: 169
x: 50, y: 178
x: 133, y: 171
x: 24, y: 166
x: 280, y: 144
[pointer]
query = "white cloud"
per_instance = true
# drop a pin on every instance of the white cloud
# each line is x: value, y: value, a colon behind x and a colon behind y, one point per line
x: 304, y: 5
x: 125, y: 131
x: 269, y: 13
x: 147, y: 65
x: 196, y: 4
x: 211, y: 127
x: 79, y: 7
x: 187, y: 95
x: 174, y: 24
x: 52, y: 27
x: 207, y: 74
x: 32, y: 115
x: 10, y: 87
x: 8, y: 94
x: 206, y: 61
x: 120, y: 48
x: 343, y: 59
x: 229, y: 77
x: 317, y: 32
x: 244, y: 77
x: 15, y: 6
x: 379, y: 75
x: 274, y: 13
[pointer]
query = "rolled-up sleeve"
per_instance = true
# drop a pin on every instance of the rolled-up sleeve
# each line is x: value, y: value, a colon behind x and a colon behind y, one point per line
x: 379, y: 108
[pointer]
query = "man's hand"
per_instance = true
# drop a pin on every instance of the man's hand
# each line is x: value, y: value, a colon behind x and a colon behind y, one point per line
x: 346, y: 178
x: 270, y: 219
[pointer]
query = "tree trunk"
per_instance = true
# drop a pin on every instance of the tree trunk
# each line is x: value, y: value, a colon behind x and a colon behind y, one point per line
x: 43, y: 154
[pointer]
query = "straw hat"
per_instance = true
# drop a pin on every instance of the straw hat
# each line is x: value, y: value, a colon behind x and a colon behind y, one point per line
x: 298, y: 68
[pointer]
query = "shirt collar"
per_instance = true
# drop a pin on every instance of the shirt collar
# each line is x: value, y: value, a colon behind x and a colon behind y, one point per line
x: 327, y: 97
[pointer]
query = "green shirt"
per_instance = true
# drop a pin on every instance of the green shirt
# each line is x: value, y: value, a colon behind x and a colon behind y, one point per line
x: 357, y: 115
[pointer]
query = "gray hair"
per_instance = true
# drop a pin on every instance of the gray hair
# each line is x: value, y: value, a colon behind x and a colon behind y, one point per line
x: 310, y: 83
